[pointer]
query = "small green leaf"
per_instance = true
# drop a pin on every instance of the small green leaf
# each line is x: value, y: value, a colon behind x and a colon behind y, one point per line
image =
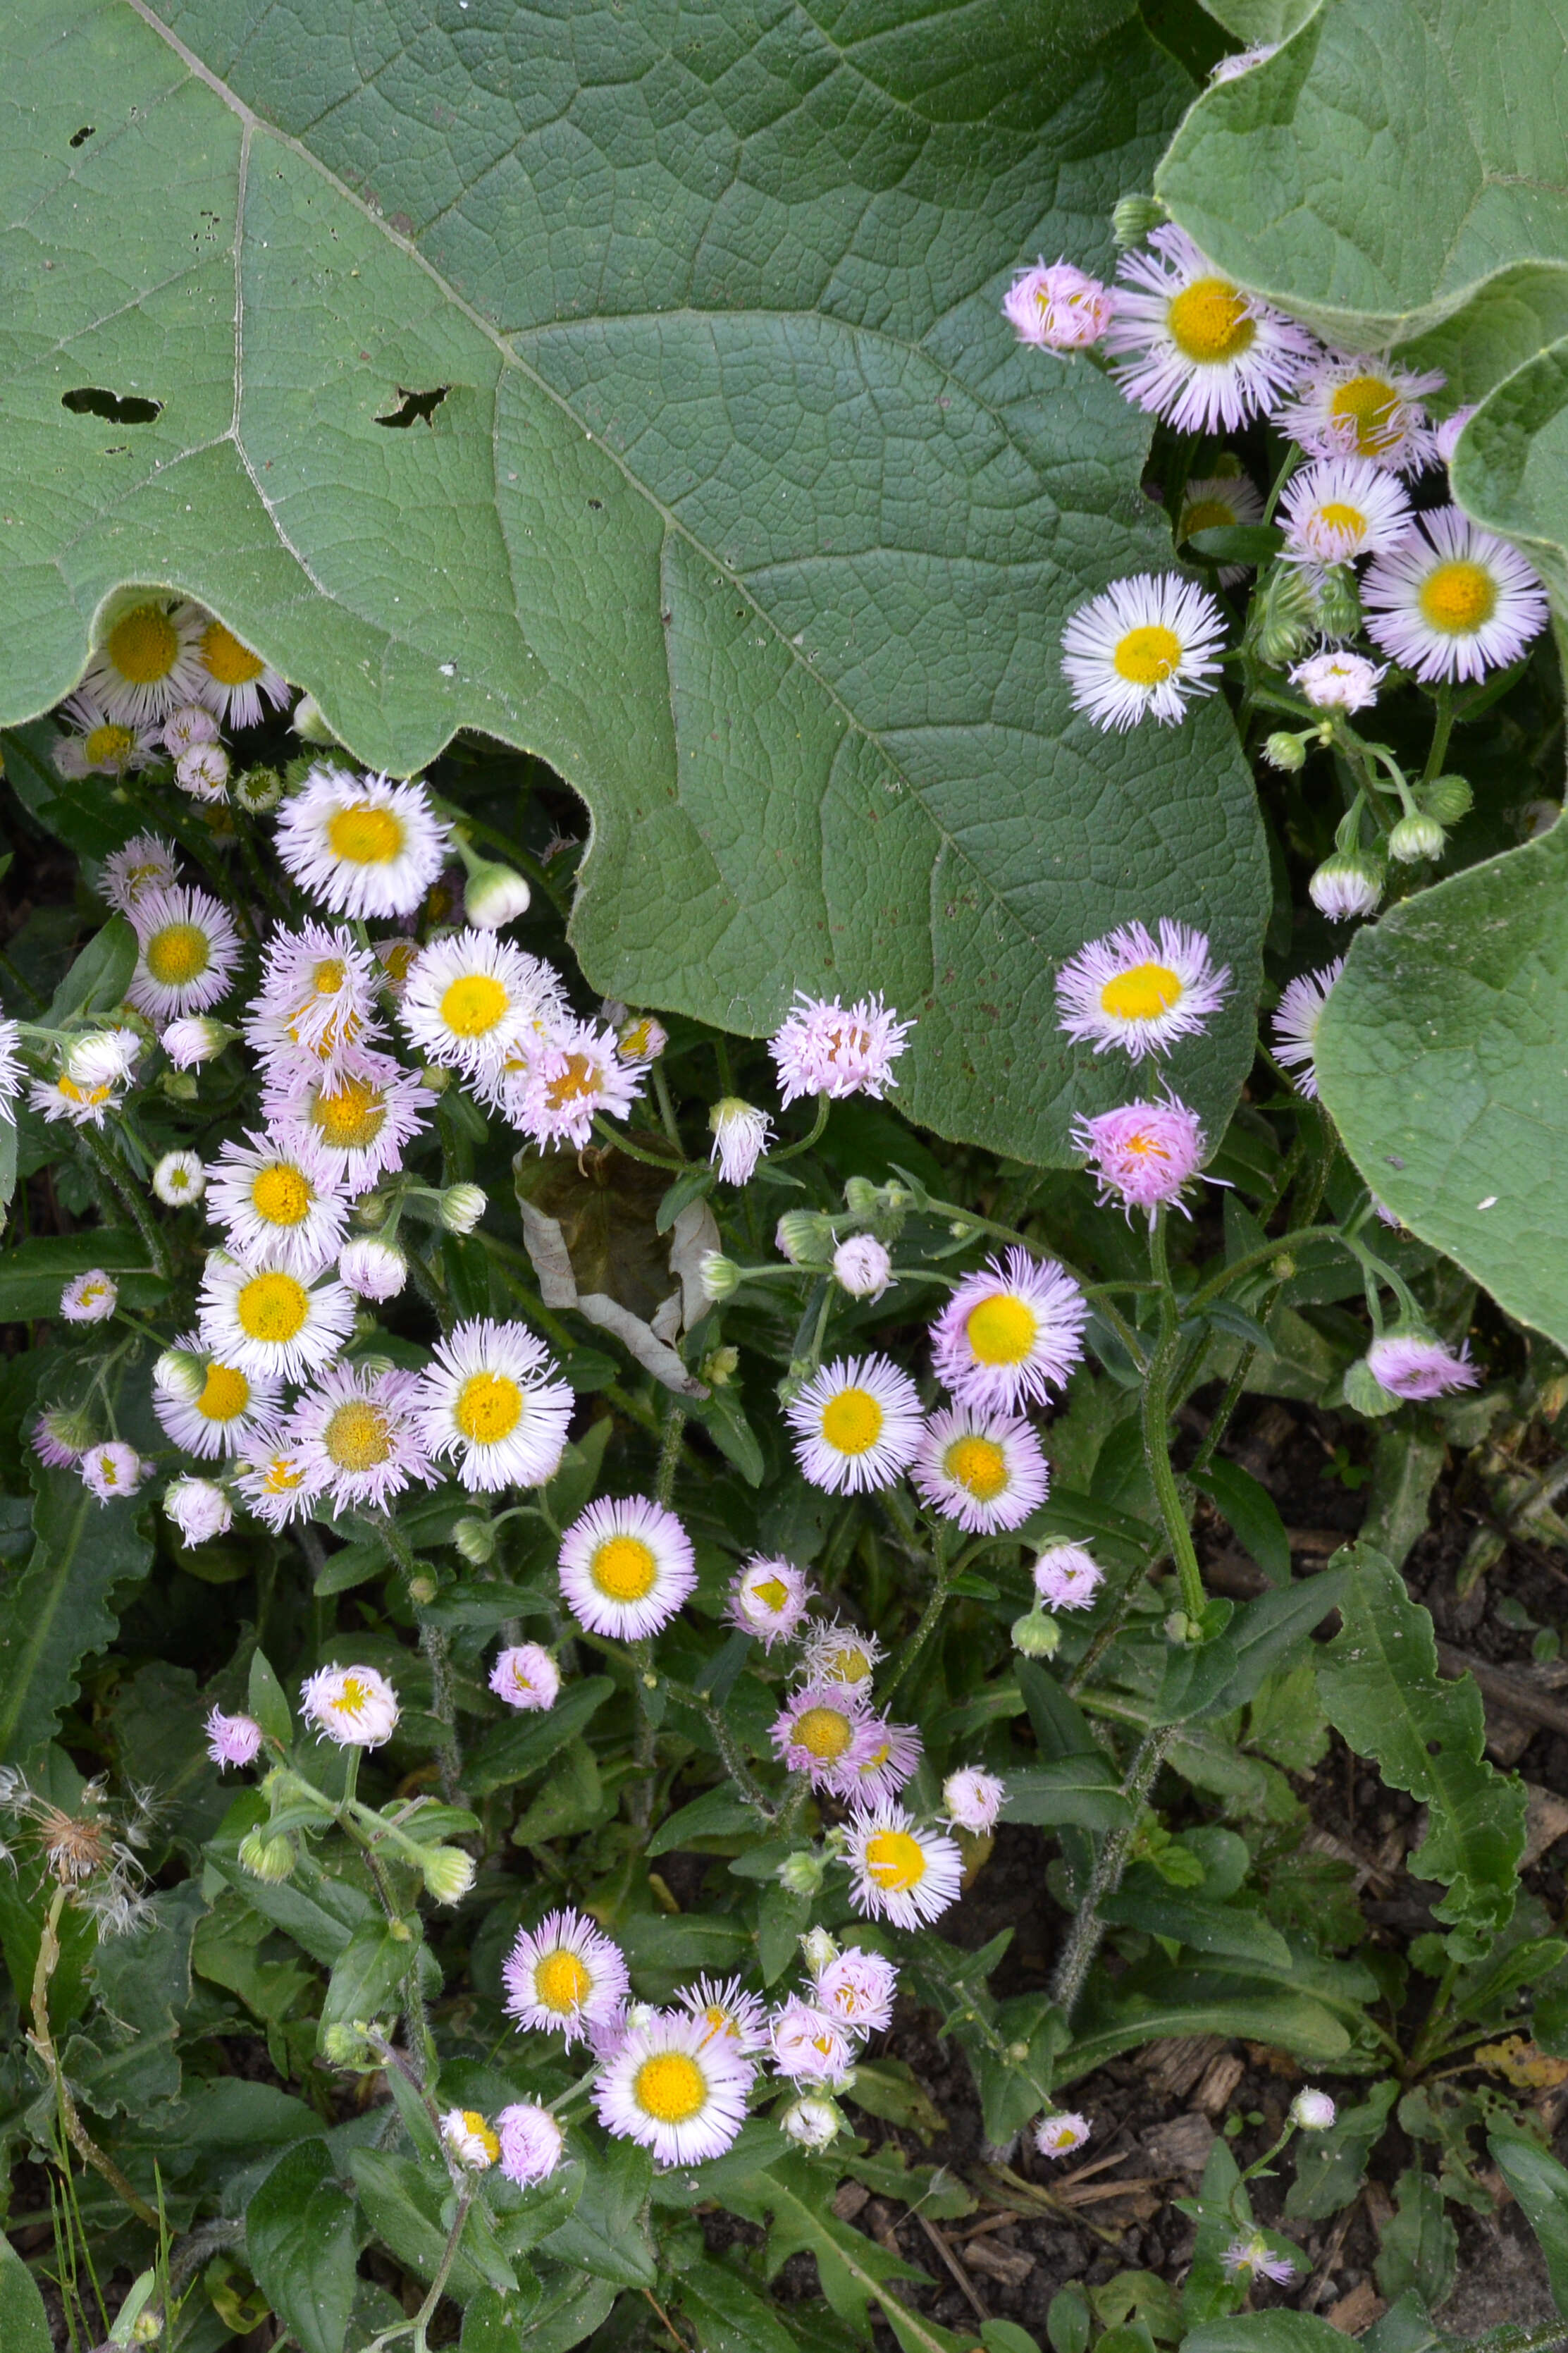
x: 24, y: 2322
x: 603, y: 2236
x: 1069, y: 2321
x: 509, y: 1752
x: 1082, y: 1790
x: 267, y: 1701
x: 716, y: 1814
x: 889, y: 2088
x: 1331, y: 2166
x: 691, y: 1184
x: 1541, y: 2184
x: 299, y: 2241
x: 404, y: 2200
x: 1253, y: 1517
x: 1223, y: 1930
x: 1265, y: 2332
x: 1237, y: 543
x: 729, y: 2315
x: 55, y: 1609
x: 1419, y: 2247
x: 98, y: 980
x: 368, y: 1970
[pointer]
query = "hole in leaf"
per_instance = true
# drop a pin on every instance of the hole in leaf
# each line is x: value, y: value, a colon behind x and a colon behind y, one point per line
x: 1434, y: 1749
x: 79, y: 138
x: 597, y: 505
x: 92, y: 400
x: 418, y: 408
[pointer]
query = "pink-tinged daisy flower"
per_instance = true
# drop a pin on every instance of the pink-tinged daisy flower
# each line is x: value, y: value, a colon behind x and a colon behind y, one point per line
x: 146, y: 863
x: 1231, y: 69
x: 1220, y: 502
x: 470, y: 2138
x: 364, y: 846
x: 233, y: 1739
x: 1414, y: 1364
x: 1339, y: 681
x: 1446, y: 436
x: 676, y: 2089
x: 228, y: 1410
x: 199, y: 1508
x: 61, y: 1435
x: 187, y: 950
x: 1295, y: 1024
x: 857, y: 1424
x: 316, y: 1003
x: 1252, y: 2258
x: 372, y: 1269
x: 1347, y: 886
x: 625, y: 1567
x: 1452, y: 601
x: 1142, y: 1154
x: 90, y: 1298
x: 277, y: 1207
x: 973, y: 1800
x: 985, y: 1471
x: 839, y: 1654
x: 1342, y: 507
x: 891, y: 1762
x: 564, y: 1977
x: 729, y: 2011
x: 1125, y: 990
x: 531, y: 2143
x: 103, y: 746
x: 823, y: 1047
x: 862, y: 1267
x: 271, y: 1322
x: 1313, y: 2111
x: 577, y: 1075
x: 473, y: 1000
x: 1010, y: 1333
x: 525, y: 1676
x: 1067, y: 1576
x: 60, y: 1097
x: 147, y: 664
x: 492, y: 1397
x: 112, y: 1470
x: 1350, y: 406
x: 203, y: 773
x: 769, y: 1598
x: 808, y: 2044
x: 189, y: 727
x: 1058, y: 2135
x: 1141, y: 650
x: 197, y: 1039
x: 900, y: 1872
x: 1057, y: 308
x: 355, y: 1706
x: 857, y: 1987
x: 1194, y: 349
x: 235, y: 683
x: 356, y: 1438
x: 741, y: 1134
x: 272, y: 1482
x: 826, y: 1732
x: 355, y: 1123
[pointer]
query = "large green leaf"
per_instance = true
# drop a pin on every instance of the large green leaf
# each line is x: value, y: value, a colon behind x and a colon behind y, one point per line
x: 299, y: 2241
x: 1510, y: 469
x: 741, y: 504
x: 54, y: 1610
x: 1541, y: 2186
x: 24, y: 2322
x: 1441, y: 1055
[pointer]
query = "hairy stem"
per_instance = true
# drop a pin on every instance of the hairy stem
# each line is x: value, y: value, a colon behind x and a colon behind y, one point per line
x: 1089, y: 1929
x: 1156, y: 1422
x: 42, y: 2040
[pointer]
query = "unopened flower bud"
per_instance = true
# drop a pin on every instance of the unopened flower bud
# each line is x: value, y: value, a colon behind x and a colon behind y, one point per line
x: 1339, y: 606
x: 860, y: 1197
x: 179, y: 1374
x: 343, y: 2044
x: 179, y: 1086
x: 259, y: 791
x: 1415, y: 838
x: 203, y: 772
x: 1347, y: 885
x: 462, y: 1206
x: 1283, y: 750
x: 818, y: 1948
x: 721, y: 1277
x: 1447, y: 798
x: 810, y: 2123
x: 720, y: 1366
x: 740, y: 1136
x: 196, y: 1037
x: 801, y: 1874
x: 1183, y: 1631
x: 862, y: 1267
x: 1313, y: 2111
x: 475, y: 1540
x: 449, y: 1874
x: 1284, y: 614
x: 1036, y: 1634
x: 639, y: 1037
x: 147, y: 2327
x: 1134, y: 217
x: 199, y: 1509
x: 422, y: 1591
x: 265, y: 1856
x: 806, y: 1238
x: 1364, y: 1393
x: 494, y: 896
x: 309, y: 723
x: 372, y: 1268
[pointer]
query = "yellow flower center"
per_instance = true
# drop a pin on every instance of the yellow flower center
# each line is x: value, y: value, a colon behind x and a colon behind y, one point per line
x: 1001, y: 1330
x: 561, y: 1982
x: 328, y: 977
x: 398, y: 958
x: 1367, y: 404
x: 365, y: 836
x: 473, y: 1005
x: 352, y: 1116
x: 1458, y: 596
x: 73, y: 1094
x: 624, y: 1569
x: 282, y: 1476
x: 144, y: 646
x: 91, y: 1292
x: 773, y: 1593
x: 1209, y: 322
x: 140, y: 878
x: 848, y: 1665
x: 825, y: 1733
x: 225, y: 1394
x: 669, y: 2087
x: 1145, y: 1147
x: 271, y: 1307
x: 177, y: 955
x: 578, y: 1079
x: 1147, y: 656
x: 1142, y: 993
x: 852, y: 1421
x: 281, y: 1193
x: 977, y: 1465
x: 474, y: 2125
x: 1335, y: 515
x: 350, y: 1698
x: 488, y: 1409
x: 357, y: 1436
x: 895, y: 1860
x: 109, y: 747
x: 1207, y: 514
x: 226, y: 659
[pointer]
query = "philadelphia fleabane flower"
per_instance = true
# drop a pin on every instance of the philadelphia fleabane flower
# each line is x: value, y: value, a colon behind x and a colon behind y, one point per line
x: 1141, y: 650
x: 1056, y: 307
x: 892, y: 1759
x: 230, y: 1409
x: 355, y: 1123
x: 1339, y: 681
x: 356, y: 1438
x: 1059, y: 2135
x: 1414, y: 1364
x: 741, y: 1134
x: 90, y: 1298
x: 203, y: 773
x: 1125, y: 990
x: 857, y: 1424
x: 362, y: 846
x: 1066, y: 1576
x: 825, y: 1733
x: 531, y: 2144
x: 1295, y: 1025
x: 270, y: 1322
x: 491, y: 1396
x: 564, y: 1977
x: 769, y: 1598
x: 809, y: 2044
x: 276, y: 1206
x: 272, y: 1482
x: 187, y: 950
x: 473, y: 999
x: 470, y: 2139
x: 195, y: 1039
x: 729, y: 2011
x: 857, y: 1987
x: 1142, y: 1154
x: 1219, y: 502
x: 1010, y: 1333
x: 372, y: 1268
x: 1352, y: 406
x: 61, y: 1435
x: 973, y: 1800
x: 187, y: 727
x: 1452, y: 601
x: 1252, y: 2258
x: 862, y: 1267
x: 839, y: 1654
x: 234, y: 683
x: 984, y: 1471
x: 199, y: 1508
x: 60, y: 1097
x: 179, y: 1177
x: 823, y: 1047
x: 316, y: 1001
x: 1342, y: 507
x: 575, y: 1075
x: 146, y: 863
x: 232, y: 1739
x: 625, y: 1567
x: 674, y: 2088
x: 355, y: 1706
x: 111, y: 1471
x: 105, y: 746
x: 900, y: 1872
x: 1194, y: 348
x: 526, y: 1677
x: 147, y: 664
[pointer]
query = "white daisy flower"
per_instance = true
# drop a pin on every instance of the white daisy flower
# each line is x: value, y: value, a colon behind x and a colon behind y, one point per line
x: 230, y: 1412
x: 146, y: 863
x: 316, y: 1001
x: 273, y: 1485
x: 60, y: 1097
x: 470, y: 2139
x: 531, y: 2143
x: 200, y: 1510
x: 1058, y: 2135
x: 268, y: 1321
x: 901, y: 1872
x: 625, y: 1567
x: 1452, y: 601
x: 809, y: 2044
x: 90, y: 1298
x: 1352, y: 406
x: 1123, y: 990
x: 973, y: 1800
x: 491, y: 1396
x: 355, y: 1706
x: 564, y: 1977
x: 235, y: 683
x: 740, y: 1136
x: 840, y: 1654
x: 857, y: 1424
x: 363, y: 846
x: 472, y: 1001
x: 191, y: 725
x: 372, y: 1268
x: 105, y: 746
x: 526, y: 1677
x: 355, y: 1123
x: 984, y: 1471
x: 147, y: 664
x: 356, y: 1438
x: 1142, y: 648
x: 276, y: 1206
x: 187, y: 950
x: 1339, y: 681
x: 111, y: 1471
x: 577, y: 1074
x: 179, y: 1177
x: 1194, y: 349
x: 892, y: 1758
x: 1342, y: 507
x: 1220, y: 502
x: 1010, y: 1333
x: 769, y: 1597
x: 1296, y: 1019
x: 676, y: 2089
x: 857, y: 1987
x: 729, y: 2011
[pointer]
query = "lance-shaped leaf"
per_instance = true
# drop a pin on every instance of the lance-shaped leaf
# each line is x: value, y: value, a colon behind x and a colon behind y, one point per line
x: 57, y: 1609
x: 632, y: 385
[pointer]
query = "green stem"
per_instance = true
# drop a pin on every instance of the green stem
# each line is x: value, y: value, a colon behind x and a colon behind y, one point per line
x: 109, y: 1164
x: 793, y: 1150
x: 667, y: 1108
x: 444, y: 1707
x: 1156, y: 1420
x: 929, y: 1616
x: 1255, y: 1260
x: 1441, y: 732
x: 1089, y: 1930
x: 669, y: 1454
x: 619, y: 1141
